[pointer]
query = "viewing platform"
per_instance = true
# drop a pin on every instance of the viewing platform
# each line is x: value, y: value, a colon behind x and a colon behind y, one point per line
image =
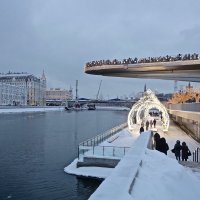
x: 187, y: 70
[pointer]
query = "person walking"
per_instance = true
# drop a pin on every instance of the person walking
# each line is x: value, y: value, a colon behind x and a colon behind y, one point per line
x: 163, y: 146
x: 147, y: 125
x: 154, y: 123
x: 151, y: 123
x: 185, y: 152
x: 177, y: 150
x: 156, y: 139
x: 141, y: 129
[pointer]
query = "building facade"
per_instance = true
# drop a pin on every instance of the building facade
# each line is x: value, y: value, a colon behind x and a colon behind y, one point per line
x: 12, y: 95
x: 58, y: 94
x: 35, y: 87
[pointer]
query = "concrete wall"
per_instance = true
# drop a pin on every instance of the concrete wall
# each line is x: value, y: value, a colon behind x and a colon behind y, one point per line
x: 98, y: 162
x: 192, y: 107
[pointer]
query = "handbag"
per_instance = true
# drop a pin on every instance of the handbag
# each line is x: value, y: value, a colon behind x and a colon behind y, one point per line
x: 173, y: 151
x: 189, y: 153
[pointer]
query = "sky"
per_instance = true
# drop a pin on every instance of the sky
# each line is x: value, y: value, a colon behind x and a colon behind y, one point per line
x: 60, y: 36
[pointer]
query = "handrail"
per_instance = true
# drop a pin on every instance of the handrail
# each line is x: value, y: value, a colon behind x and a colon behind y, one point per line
x: 103, y: 136
x: 92, y: 143
x: 196, y: 154
x: 113, y: 151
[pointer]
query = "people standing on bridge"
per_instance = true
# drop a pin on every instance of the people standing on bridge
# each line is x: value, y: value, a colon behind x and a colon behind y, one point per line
x: 154, y: 123
x: 177, y: 150
x: 163, y: 146
x: 147, y: 125
x: 141, y: 129
x: 185, y: 152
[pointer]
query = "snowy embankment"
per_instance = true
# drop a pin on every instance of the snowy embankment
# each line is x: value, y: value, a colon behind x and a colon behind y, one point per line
x: 123, y: 176
x: 148, y: 174
x: 31, y: 109
x: 112, y: 108
x: 161, y: 177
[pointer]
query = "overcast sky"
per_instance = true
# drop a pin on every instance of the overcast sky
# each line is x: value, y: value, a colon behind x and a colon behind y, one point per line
x: 60, y: 36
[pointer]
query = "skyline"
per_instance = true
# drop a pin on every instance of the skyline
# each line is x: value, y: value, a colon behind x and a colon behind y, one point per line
x: 60, y: 37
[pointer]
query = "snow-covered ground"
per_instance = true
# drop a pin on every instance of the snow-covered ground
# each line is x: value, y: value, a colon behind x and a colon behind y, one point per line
x: 34, y: 109
x: 163, y: 178
x: 112, y: 108
x: 159, y: 176
x: 124, y: 138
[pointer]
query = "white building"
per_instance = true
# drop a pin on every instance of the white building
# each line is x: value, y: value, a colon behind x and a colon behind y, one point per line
x: 35, y: 87
x: 12, y: 95
x: 58, y: 94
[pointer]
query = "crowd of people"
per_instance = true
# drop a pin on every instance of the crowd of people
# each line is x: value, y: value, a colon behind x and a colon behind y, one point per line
x: 151, y: 124
x: 135, y: 60
x: 181, y: 151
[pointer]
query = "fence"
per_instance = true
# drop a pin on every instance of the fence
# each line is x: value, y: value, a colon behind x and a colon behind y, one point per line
x: 91, y: 145
x: 196, y: 154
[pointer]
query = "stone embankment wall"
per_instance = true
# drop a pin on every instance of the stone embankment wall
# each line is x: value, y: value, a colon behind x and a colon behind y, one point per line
x: 187, y: 116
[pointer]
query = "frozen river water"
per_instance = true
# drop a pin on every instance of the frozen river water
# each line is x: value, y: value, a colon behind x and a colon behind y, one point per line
x: 35, y: 148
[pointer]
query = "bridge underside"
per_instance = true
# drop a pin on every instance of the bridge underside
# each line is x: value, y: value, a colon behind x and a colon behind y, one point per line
x: 177, y: 70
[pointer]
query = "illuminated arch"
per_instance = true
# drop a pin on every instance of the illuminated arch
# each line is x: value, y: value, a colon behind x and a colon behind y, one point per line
x: 140, y: 110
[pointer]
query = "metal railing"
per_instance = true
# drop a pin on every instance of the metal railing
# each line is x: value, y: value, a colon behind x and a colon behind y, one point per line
x: 91, y: 145
x: 103, y: 136
x: 107, y: 151
x: 196, y: 155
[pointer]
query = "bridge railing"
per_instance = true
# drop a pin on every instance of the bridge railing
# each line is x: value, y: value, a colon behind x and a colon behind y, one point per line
x: 92, y: 143
x: 196, y: 155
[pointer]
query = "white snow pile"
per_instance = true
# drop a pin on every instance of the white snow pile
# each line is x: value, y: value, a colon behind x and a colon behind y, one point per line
x: 157, y: 178
x: 162, y: 178
x: 112, y: 108
x: 118, y: 184
x: 34, y: 109
x: 99, y: 172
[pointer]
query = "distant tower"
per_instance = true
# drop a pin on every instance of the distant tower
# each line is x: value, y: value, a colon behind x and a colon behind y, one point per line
x: 175, y: 86
x: 43, y: 88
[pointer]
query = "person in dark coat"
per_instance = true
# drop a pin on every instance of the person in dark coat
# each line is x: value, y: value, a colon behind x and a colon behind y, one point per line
x: 163, y: 146
x: 156, y: 138
x: 177, y: 150
x: 185, y: 151
x: 154, y: 123
x: 147, y: 125
x: 141, y: 129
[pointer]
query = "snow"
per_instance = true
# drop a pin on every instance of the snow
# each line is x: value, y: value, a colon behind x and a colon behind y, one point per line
x: 34, y: 109
x: 124, y: 139
x: 145, y: 174
x: 112, y: 108
x: 163, y: 178
x: 124, y: 173
x: 88, y: 171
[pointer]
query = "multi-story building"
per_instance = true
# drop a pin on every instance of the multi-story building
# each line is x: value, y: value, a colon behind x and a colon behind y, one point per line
x: 35, y: 87
x: 58, y: 94
x: 12, y: 95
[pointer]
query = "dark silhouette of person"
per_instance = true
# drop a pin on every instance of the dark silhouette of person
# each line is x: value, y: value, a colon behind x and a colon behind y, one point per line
x: 141, y: 129
x: 147, y: 125
x: 177, y: 150
x: 163, y: 146
x: 154, y: 123
x: 185, y: 151
x: 156, y: 138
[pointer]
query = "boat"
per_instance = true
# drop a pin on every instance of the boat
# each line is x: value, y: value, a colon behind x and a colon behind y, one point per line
x: 91, y: 106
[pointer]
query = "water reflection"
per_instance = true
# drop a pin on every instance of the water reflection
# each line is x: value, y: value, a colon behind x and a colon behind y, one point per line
x: 35, y: 148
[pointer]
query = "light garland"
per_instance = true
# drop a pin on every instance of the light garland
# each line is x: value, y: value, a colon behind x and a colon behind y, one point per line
x: 140, y: 110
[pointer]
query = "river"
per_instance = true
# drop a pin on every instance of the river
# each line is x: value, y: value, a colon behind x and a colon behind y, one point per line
x: 35, y: 148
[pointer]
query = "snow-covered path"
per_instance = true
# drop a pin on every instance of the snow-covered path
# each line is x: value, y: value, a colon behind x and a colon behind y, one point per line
x: 174, y: 134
